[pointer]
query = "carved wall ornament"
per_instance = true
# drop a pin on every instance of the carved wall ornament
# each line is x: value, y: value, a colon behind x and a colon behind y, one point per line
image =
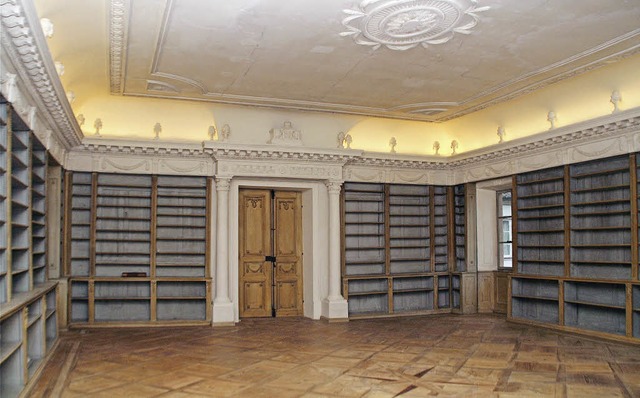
x: 47, y: 27
x: 344, y: 139
x: 348, y: 140
x: 286, y: 135
x: 392, y: 143
x: 341, y: 136
x: 436, y: 147
x: 404, y: 24
x: 225, y: 133
x: 501, y: 134
x: 98, y: 126
x: 552, y: 119
x: 80, y: 118
x: 71, y: 96
x: 157, y: 129
x: 615, y: 100
x: 213, y: 133
x: 454, y: 147
x: 59, y: 68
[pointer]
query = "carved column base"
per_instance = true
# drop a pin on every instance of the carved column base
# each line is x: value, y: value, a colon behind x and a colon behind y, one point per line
x: 335, y: 308
x: 223, y: 314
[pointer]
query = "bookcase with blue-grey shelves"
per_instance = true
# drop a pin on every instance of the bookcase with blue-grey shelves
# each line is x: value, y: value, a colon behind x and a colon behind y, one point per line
x: 138, y: 249
x: 577, y: 248
x: 459, y: 232
x: 28, y: 317
x: 397, y: 253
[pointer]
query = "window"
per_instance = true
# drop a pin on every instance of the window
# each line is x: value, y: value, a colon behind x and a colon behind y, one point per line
x: 505, y: 235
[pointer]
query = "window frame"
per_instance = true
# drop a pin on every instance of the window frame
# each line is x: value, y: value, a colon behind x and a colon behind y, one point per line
x: 500, y: 218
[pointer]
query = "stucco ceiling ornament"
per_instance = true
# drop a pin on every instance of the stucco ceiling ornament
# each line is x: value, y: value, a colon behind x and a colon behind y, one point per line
x: 404, y: 24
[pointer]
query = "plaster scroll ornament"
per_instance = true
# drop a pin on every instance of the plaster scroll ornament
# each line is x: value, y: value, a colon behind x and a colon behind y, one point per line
x: 47, y: 27
x: 348, y: 139
x: 98, y: 126
x: 213, y: 133
x: 157, y: 129
x: 615, y: 100
x: 501, y: 134
x: 80, y: 119
x: 454, y: 147
x: 404, y: 24
x: 436, y: 147
x: 225, y: 133
x: 552, y: 119
x: 341, y: 137
x: 59, y: 68
x: 392, y: 143
x: 286, y: 135
x: 71, y: 96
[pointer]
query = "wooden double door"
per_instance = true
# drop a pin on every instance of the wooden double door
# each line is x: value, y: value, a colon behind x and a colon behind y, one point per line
x: 270, y: 253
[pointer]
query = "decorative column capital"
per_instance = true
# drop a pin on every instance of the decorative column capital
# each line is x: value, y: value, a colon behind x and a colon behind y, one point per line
x: 333, y: 186
x: 223, y: 183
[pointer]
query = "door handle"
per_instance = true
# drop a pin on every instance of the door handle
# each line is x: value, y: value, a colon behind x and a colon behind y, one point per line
x: 270, y: 258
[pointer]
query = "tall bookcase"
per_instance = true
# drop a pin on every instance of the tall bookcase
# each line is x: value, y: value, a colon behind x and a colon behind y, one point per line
x: 459, y: 247
x: 28, y: 319
x: 577, y: 248
x: 398, y: 252
x: 136, y: 249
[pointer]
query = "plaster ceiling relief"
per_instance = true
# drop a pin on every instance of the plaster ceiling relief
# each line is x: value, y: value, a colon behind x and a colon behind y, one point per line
x: 427, y: 60
x: 405, y: 24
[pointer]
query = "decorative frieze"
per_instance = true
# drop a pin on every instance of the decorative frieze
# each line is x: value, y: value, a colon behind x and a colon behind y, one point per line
x: 260, y: 168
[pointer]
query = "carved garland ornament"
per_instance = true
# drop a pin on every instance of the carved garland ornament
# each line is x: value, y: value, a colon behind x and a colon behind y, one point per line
x: 404, y: 24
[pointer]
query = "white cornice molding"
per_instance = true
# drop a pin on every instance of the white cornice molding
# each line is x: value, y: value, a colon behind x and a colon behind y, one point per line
x: 141, y: 147
x: 25, y: 51
x: 609, y: 135
x: 268, y: 152
x: 610, y: 125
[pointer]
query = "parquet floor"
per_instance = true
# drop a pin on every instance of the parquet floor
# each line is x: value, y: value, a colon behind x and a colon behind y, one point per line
x: 443, y: 356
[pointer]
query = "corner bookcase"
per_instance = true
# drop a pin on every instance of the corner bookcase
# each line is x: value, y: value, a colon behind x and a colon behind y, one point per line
x: 398, y: 249
x: 136, y: 249
x: 28, y: 319
x: 576, y: 233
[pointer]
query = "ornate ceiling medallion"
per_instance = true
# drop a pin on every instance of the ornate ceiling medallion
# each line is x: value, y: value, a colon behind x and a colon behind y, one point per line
x: 404, y: 24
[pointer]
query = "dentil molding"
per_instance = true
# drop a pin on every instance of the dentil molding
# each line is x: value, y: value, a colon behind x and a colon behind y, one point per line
x: 29, y: 79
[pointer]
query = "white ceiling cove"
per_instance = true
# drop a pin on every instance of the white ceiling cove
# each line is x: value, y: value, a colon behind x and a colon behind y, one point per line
x: 412, y: 59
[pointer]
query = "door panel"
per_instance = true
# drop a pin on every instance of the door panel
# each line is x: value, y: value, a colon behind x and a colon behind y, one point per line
x: 288, y: 252
x: 259, y: 277
x: 255, y: 243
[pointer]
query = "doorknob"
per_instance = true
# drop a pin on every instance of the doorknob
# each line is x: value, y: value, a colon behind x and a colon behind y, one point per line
x: 270, y: 258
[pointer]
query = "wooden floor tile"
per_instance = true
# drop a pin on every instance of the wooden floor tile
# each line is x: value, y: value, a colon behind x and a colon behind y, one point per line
x: 443, y: 356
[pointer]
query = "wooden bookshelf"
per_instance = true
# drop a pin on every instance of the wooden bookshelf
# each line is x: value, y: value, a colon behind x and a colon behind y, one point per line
x: 28, y: 317
x: 539, y: 209
x: 397, y: 249
x: 578, y: 270
x: 138, y: 252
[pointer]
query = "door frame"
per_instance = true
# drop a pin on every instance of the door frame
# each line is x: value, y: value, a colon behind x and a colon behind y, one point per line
x: 315, y: 263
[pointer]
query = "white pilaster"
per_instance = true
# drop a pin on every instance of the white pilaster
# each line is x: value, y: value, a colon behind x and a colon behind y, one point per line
x: 334, y: 306
x: 222, y: 306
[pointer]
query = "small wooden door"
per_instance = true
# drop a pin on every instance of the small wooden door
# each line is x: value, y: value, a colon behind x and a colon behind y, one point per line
x: 270, y: 226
